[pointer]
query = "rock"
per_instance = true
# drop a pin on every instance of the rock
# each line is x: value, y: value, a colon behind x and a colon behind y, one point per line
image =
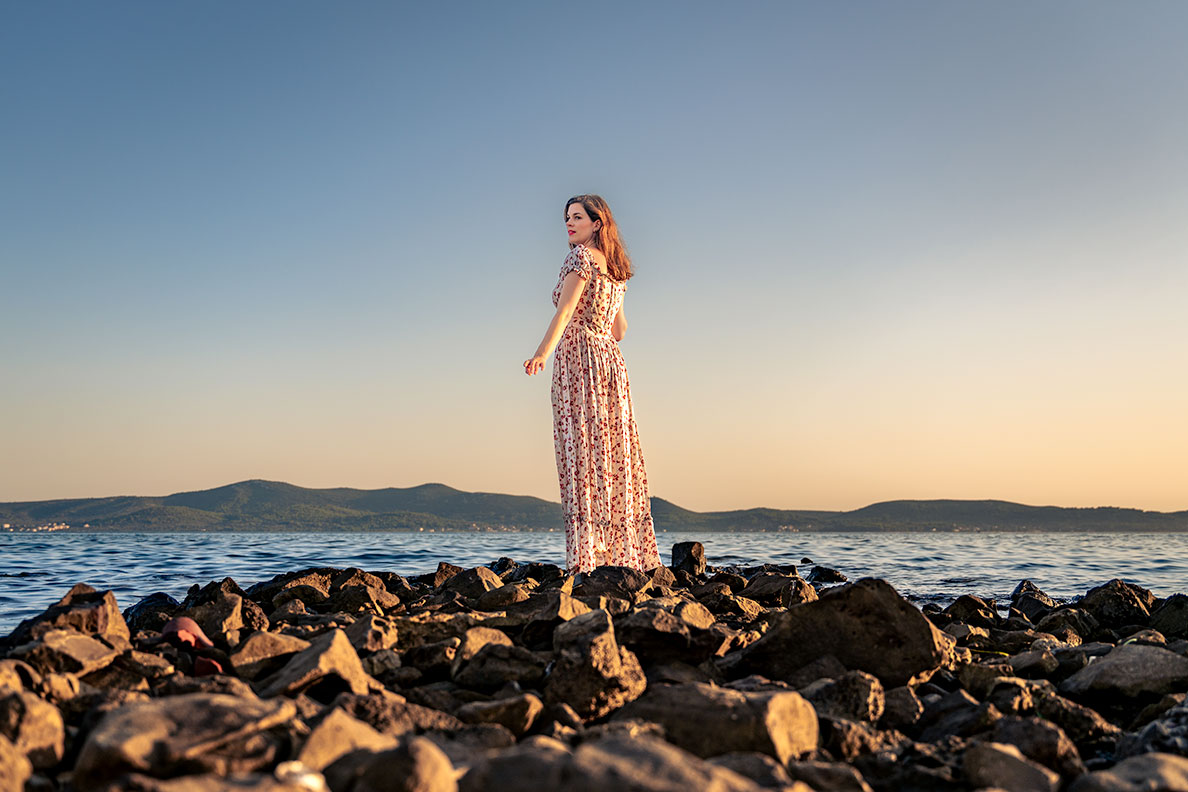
x: 707, y: 720
x: 613, y: 581
x: 666, y: 632
x: 360, y: 598
x: 181, y: 735
x: 842, y: 738
x: 517, y: 713
x: 828, y: 776
x: 730, y: 606
x: 1078, y: 621
x: 1040, y: 741
x: 689, y: 556
x: 1171, y: 616
x: 1003, y: 766
x: 220, y: 617
x: 82, y: 610
x: 1152, y: 771
x: 821, y: 574
x: 66, y: 651
x: 504, y: 596
x: 1166, y: 734
x: 767, y: 588
x: 1084, y: 726
x: 866, y: 625
x: 1117, y: 603
x: 473, y: 583
x: 336, y: 735
x: 433, y: 660
x: 251, y: 614
x: 592, y: 673
x: 1130, y: 670
x: 474, y: 640
x: 152, y: 612
x: 901, y: 709
x: 415, y: 765
x: 855, y: 695
x: 1034, y: 664
x: 15, y: 768
x: 35, y: 728
x: 263, y: 653
x: 973, y: 610
x: 759, y: 767
x: 497, y: 664
x: 955, y: 713
x: 395, y: 718
x: 328, y: 667
x: 646, y: 764
x: 533, y: 765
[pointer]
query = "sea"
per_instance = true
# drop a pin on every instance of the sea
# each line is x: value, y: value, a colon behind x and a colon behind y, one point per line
x: 37, y: 568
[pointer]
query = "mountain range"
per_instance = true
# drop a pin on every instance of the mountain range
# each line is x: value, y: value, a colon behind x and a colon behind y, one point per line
x: 259, y: 505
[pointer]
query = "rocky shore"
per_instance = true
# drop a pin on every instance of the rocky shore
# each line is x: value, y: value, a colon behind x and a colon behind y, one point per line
x: 514, y: 676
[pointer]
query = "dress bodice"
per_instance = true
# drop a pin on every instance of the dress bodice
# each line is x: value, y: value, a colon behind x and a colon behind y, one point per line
x: 601, y: 299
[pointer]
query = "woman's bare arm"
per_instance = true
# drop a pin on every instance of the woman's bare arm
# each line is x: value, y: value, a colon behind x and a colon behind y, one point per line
x: 571, y: 292
x: 620, y: 327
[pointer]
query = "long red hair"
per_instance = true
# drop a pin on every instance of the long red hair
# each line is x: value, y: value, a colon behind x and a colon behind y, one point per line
x: 606, y: 238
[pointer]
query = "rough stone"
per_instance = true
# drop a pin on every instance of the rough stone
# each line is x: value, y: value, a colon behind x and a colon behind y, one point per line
x: 263, y: 653
x: 1130, y: 670
x: 689, y: 556
x: 866, y: 625
x: 179, y: 735
x: 1152, y: 771
x: 328, y: 667
x: 66, y: 651
x: 336, y: 735
x: 517, y: 713
x: 707, y: 720
x: 592, y: 673
x: 34, y: 726
x: 1001, y: 765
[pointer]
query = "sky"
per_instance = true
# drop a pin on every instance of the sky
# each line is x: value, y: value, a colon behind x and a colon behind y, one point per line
x: 882, y: 250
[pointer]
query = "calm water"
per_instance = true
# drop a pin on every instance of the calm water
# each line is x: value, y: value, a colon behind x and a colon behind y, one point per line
x: 37, y: 568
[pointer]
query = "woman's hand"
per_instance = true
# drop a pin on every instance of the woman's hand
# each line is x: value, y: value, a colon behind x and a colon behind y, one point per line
x: 534, y: 365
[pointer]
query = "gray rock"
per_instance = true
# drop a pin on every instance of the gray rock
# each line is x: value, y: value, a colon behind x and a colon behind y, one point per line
x: 1130, y: 670
x: 66, y: 651
x: 1003, y: 766
x: 759, y: 767
x: 181, y: 735
x: 1041, y: 741
x: 901, y: 708
x: 498, y: 664
x: 83, y: 610
x: 336, y: 735
x: 592, y: 673
x: 866, y: 625
x: 1153, y: 771
x: 328, y: 667
x: 1118, y: 603
x: 15, y: 768
x: 668, y: 632
x: 707, y: 720
x: 1166, y: 734
x: 416, y: 765
x: 517, y: 713
x: 473, y: 583
x: 35, y: 728
x: 828, y: 776
x: 689, y: 556
x: 855, y: 695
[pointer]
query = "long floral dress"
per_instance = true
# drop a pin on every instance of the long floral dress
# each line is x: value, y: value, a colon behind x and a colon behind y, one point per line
x: 604, y: 487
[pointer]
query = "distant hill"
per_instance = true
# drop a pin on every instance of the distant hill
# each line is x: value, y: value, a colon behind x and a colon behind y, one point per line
x: 259, y: 505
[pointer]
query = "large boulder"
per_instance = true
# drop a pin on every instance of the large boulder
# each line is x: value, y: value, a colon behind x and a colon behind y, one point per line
x: 1152, y: 771
x: 328, y: 667
x: 624, y: 763
x: 83, y: 610
x: 592, y: 673
x: 1130, y: 670
x: 1118, y: 604
x: 866, y: 625
x: 34, y: 726
x: 707, y: 720
x: 181, y: 735
x: 662, y: 632
x: 66, y: 651
x: 1002, y: 765
x: 263, y: 653
x: 689, y: 557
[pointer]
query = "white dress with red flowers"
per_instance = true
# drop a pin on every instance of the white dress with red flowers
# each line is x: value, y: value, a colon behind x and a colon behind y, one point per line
x: 604, y: 487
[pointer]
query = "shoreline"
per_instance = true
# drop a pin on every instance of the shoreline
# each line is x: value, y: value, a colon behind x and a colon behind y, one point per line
x: 745, y: 677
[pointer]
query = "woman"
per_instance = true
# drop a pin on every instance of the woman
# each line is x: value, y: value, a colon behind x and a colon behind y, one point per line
x: 604, y: 488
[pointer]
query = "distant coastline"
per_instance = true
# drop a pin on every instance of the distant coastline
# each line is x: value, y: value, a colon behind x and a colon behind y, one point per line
x: 257, y: 505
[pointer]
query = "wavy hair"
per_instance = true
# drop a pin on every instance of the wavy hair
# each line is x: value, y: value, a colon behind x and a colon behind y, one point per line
x: 606, y: 238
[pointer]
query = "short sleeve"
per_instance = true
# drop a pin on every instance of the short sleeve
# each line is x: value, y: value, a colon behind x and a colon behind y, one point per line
x: 578, y: 261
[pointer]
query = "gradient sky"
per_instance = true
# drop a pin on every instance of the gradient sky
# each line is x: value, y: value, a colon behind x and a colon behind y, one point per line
x: 882, y: 250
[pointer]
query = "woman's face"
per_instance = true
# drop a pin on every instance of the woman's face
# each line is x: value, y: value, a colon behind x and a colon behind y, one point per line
x: 579, y: 225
